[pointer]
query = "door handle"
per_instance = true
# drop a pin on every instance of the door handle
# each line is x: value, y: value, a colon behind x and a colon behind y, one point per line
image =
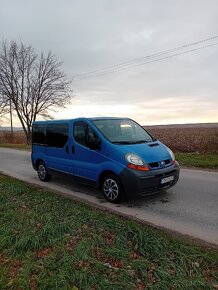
x: 67, y: 149
x: 73, y: 149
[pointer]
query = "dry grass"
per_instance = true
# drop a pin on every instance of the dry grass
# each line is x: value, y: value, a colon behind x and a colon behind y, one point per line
x: 17, y: 138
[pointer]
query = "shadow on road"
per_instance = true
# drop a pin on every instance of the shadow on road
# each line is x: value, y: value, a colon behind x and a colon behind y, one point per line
x: 70, y: 183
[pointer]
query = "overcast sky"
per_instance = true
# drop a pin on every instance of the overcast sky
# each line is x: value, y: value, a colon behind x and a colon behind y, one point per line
x: 87, y: 35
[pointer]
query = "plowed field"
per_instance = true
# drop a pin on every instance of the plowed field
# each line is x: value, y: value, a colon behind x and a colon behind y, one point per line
x: 188, y: 138
x: 202, y: 138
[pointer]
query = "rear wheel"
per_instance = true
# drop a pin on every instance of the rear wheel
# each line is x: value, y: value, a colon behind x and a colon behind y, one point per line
x: 111, y: 188
x: 42, y: 172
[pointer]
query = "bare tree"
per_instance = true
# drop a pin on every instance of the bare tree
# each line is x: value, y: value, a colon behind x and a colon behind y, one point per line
x: 4, y: 107
x: 33, y: 84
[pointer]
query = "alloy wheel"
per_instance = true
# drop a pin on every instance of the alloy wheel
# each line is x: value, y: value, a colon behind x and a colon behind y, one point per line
x: 111, y: 189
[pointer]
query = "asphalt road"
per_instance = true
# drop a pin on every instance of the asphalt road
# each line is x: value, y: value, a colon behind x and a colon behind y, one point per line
x: 190, y: 208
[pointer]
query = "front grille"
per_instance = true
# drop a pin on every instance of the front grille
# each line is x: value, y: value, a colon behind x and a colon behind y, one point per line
x: 167, y: 162
x: 154, y: 165
x: 160, y: 164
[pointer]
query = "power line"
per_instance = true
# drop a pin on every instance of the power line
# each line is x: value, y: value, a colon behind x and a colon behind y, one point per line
x: 150, y: 56
x: 146, y: 62
x: 147, y: 59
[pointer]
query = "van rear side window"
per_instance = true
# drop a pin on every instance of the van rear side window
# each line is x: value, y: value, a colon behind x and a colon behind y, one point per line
x: 57, y: 135
x: 52, y: 135
x: 39, y: 134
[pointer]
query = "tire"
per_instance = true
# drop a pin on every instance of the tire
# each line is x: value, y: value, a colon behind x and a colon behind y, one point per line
x: 42, y: 172
x: 111, y: 188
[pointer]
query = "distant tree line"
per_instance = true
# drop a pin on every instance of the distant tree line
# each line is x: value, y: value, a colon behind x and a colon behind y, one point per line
x: 30, y: 84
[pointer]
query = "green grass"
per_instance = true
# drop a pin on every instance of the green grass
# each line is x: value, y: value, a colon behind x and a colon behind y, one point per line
x: 16, y: 146
x: 48, y: 241
x: 198, y: 160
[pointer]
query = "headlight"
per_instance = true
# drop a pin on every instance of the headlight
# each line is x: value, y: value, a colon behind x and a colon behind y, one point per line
x: 134, y: 159
x: 135, y: 162
x: 171, y: 154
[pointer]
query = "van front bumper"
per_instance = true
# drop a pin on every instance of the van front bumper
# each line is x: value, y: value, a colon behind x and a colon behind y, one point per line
x: 143, y: 183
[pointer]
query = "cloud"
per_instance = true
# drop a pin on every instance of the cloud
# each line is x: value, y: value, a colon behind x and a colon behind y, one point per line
x: 88, y: 35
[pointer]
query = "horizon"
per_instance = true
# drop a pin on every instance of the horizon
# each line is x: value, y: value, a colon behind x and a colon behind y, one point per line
x: 146, y: 125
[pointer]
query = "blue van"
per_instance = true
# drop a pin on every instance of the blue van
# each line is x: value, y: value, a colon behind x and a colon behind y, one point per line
x: 114, y: 154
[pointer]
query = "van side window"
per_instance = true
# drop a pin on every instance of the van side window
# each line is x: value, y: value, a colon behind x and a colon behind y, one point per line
x: 82, y: 133
x: 79, y: 132
x: 57, y: 135
x: 39, y: 134
x: 91, y: 135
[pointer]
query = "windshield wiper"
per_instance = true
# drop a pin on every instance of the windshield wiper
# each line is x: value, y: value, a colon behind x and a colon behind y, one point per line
x: 142, y: 141
x: 131, y: 142
x: 145, y: 141
x: 123, y: 142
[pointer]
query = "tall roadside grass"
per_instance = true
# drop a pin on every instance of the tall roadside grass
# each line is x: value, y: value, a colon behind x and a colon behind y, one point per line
x: 18, y: 137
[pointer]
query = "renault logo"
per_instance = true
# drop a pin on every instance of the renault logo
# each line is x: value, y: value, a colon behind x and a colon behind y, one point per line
x: 162, y: 163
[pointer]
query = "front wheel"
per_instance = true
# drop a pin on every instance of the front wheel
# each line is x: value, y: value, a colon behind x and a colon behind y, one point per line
x: 111, y: 188
x: 42, y: 172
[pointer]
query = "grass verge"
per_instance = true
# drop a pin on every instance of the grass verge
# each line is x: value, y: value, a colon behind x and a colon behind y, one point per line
x: 48, y: 241
x: 209, y: 161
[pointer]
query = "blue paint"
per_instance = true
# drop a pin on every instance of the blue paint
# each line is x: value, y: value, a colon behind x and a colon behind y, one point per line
x: 88, y: 147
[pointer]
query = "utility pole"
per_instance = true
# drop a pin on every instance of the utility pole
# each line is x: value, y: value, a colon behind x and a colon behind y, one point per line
x: 12, y: 130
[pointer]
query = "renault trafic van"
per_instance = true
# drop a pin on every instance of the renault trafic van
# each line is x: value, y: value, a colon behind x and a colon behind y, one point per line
x: 114, y: 154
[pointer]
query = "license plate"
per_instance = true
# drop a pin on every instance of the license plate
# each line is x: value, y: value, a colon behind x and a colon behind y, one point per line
x: 167, y: 179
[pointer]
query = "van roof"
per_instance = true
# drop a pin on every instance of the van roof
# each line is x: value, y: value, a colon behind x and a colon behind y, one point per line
x: 80, y: 119
x: 106, y: 118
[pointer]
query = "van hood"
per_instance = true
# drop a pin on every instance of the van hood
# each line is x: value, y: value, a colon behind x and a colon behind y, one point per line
x: 149, y: 152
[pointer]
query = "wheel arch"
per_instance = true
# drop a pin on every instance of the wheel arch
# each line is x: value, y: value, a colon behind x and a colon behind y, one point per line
x: 102, y: 175
x: 38, y: 161
x: 106, y: 172
x: 43, y: 174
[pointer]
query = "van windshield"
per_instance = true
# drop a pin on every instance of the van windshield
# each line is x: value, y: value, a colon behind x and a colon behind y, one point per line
x: 122, y: 131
